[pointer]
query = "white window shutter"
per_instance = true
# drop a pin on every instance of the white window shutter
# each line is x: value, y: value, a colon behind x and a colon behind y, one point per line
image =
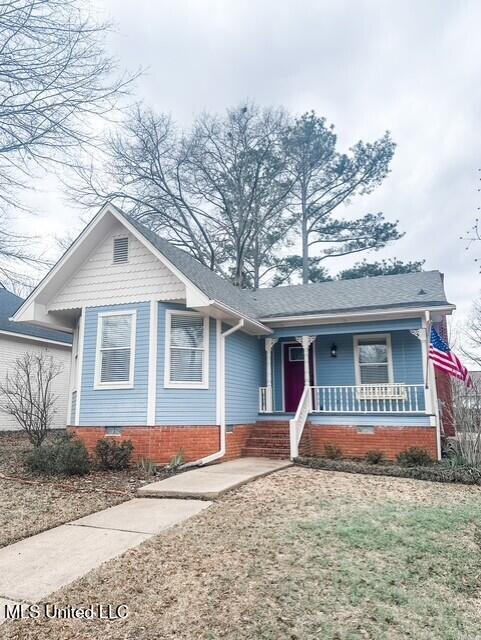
x: 121, y: 250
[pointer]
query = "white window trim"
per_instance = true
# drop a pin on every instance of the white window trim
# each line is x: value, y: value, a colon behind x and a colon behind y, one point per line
x: 115, y: 385
x: 296, y: 347
x: 373, y: 336
x: 168, y: 384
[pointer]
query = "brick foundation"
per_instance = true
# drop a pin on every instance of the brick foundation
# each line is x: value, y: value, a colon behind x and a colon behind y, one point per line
x: 355, y: 444
x: 236, y: 440
x: 161, y: 443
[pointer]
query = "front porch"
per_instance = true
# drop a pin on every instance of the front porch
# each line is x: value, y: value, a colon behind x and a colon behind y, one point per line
x: 361, y: 382
x: 368, y: 398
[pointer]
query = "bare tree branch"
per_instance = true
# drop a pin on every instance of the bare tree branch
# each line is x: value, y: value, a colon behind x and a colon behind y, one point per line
x: 56, y: 82
x: 26, y: 394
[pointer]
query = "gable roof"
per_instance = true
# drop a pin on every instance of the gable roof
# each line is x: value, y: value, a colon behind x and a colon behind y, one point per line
x: 207, y: 290
x: 211, y: 284
x: 9, y: 303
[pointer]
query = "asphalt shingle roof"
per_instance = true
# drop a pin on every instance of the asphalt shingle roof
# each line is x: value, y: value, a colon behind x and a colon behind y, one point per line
x: 9, y: 303
x: 211, y: 284
x: 422, y: 289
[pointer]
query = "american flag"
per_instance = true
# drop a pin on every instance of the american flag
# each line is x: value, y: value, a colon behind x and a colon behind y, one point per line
x: 445, y: 360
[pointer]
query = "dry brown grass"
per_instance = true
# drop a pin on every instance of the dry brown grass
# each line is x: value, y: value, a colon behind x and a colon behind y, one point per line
x: 300, y: 554
x: 26, y: 509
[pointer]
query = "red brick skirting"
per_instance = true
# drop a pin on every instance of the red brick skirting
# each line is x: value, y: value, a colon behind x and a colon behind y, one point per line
x: 161, y: 443
x: 355, y: 444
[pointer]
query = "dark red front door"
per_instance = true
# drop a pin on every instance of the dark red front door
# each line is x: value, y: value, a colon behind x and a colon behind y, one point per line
x: 294, y: 374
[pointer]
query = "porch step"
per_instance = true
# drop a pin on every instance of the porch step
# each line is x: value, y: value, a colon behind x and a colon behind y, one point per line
x: 269, y: 439
x: 272, y: 454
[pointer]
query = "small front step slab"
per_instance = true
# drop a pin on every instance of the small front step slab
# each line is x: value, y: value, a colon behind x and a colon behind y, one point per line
x: 212, y: 481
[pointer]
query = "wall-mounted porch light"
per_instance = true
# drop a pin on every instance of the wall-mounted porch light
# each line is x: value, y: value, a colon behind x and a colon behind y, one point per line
x: 333, y: 350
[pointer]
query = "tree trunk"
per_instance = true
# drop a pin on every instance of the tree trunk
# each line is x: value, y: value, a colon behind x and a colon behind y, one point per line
x: 239, y: 266
x: 256, y: 278
x: 305, y: 238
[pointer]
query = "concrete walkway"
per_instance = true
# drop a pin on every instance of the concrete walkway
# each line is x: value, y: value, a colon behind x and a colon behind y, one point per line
x: 33, y: 568
x: 212, y: 481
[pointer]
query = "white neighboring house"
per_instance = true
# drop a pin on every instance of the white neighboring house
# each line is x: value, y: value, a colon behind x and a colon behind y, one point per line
x: 18, y: 338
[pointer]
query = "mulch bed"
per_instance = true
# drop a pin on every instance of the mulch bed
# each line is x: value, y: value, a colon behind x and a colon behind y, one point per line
x: 437, y: 472
x: 31, y: 503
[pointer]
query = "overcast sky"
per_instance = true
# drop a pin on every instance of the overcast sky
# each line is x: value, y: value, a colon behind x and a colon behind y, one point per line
x: 411, y: 67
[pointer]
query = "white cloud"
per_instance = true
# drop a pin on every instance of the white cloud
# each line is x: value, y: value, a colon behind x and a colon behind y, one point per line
x: 368, y: 66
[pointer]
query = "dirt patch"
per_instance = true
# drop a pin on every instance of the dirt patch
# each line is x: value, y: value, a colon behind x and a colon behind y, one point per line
x: 31, y: 503
x: 299, y: 554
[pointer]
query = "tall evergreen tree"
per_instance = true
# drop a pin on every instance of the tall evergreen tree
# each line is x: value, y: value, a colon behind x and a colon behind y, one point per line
x: 388, y: 267
x: 324, y: 180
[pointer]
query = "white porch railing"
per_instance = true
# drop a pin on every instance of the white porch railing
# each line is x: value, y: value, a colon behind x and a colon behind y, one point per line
x: 369, y: 398
x: 366, y: 398
x: 265, y: 399
x: 296, y: 425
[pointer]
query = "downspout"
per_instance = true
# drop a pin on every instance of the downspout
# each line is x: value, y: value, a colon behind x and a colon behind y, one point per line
x: 221, y: 372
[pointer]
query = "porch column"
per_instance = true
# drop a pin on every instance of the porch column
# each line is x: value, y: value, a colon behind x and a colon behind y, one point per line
x: 306, y: 342
x: 270, y: 342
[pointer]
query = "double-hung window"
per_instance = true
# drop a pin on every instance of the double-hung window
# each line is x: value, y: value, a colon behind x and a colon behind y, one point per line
x: 186, y: 350
x: 115, y: 358
x: 373, y: 359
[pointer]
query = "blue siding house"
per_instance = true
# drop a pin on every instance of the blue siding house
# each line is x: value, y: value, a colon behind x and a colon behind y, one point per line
x: 171, y: 356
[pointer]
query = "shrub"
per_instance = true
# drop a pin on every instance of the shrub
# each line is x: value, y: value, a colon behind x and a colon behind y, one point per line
x: 72, y: 458
x: 433, y: 473
x: 113, y: 456
x: 147, y: 466
x: 414, y: 457
x: 177, y: 461
x: 332, y: 452
x: 65, y: 456
x: 375, y: 457
x: 41, y: 459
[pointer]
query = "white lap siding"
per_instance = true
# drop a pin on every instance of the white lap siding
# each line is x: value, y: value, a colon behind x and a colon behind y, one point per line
x: 100, y: 281
x: 12, y: 348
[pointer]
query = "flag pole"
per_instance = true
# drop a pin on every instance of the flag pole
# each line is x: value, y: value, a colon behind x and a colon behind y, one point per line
x: 428, y: 342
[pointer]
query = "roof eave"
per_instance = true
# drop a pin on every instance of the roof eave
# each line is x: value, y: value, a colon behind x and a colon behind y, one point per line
x: 347, y: 316
x: 27, y: 336
x: 251, y: 325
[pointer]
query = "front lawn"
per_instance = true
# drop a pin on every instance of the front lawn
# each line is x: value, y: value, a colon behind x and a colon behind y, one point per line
x: 32, y: 503
x: 301, y: 554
